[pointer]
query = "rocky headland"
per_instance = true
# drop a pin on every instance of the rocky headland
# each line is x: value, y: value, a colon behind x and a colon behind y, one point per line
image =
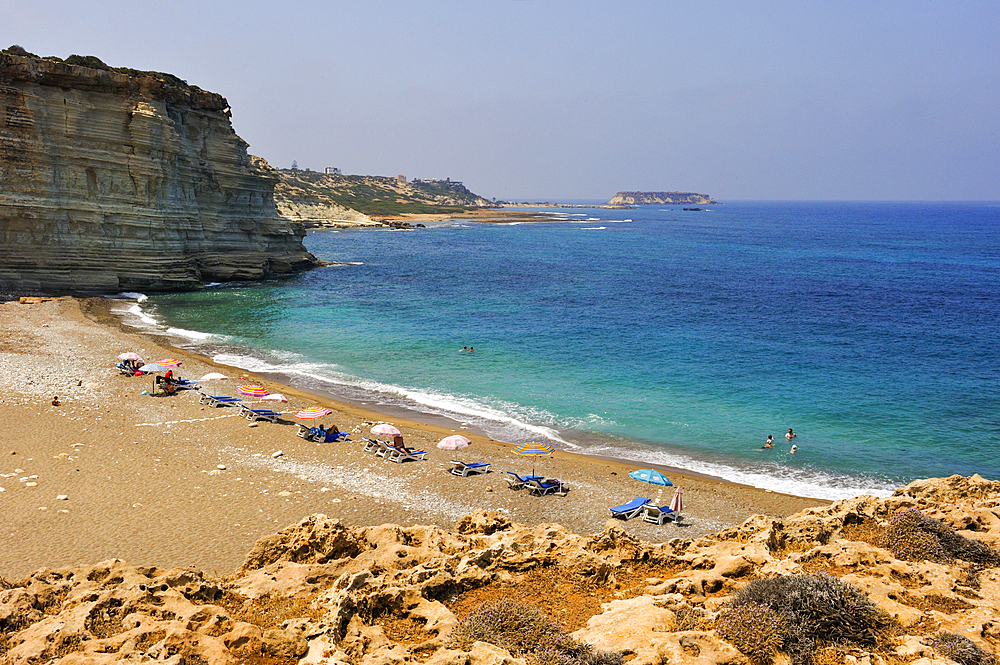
x: 118, y: 180
x: 662, y: 198
x: 911, y: 578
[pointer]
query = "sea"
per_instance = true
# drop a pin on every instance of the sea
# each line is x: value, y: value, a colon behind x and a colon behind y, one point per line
x: 665, y: 337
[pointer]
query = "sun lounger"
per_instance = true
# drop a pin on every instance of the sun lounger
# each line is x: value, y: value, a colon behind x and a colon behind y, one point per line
x: 659, y: 514
x: 399, y: 456
x: 463, y: 469
x: 185, y: 384
x: 627, y: 511
x: 253, y: 415
x: 546, y: 486
x: 318, y: 434
x: 218, y: 400
x: 516, y: 482
x: 371, y: 445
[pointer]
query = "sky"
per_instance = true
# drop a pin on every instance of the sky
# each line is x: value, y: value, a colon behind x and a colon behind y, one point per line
x: 536, y: 100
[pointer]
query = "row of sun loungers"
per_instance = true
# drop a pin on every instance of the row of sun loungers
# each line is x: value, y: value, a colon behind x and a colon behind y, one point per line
x: 650, y: 511
x: 392, y: 453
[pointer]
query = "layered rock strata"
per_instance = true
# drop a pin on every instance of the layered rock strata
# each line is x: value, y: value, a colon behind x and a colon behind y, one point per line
x: 321, y: 592
x: 111, y: 182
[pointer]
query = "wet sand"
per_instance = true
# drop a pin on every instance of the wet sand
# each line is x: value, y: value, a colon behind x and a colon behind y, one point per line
x: 143, y: 482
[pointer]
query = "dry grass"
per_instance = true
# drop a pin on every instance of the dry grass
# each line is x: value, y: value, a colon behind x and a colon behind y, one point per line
x: 269, y: 611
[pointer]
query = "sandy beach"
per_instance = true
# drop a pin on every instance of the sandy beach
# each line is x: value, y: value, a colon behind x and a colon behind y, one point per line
x: 111, y: 473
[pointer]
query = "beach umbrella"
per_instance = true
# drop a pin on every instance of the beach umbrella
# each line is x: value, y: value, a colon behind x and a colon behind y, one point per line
x: 651, y: 476
x: 313, y: 412
x: 533, y: 449
x: 169, y: 362
x: 274, y: 397
x: 252, y: 390
x: 153, y: 368
x: 677, y: 503
x: 130, y: 355
x: 454, y: 442
x: 386, y: 429
x: 213, y: 376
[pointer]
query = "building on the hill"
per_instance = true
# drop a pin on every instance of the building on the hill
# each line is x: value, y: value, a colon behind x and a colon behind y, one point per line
x: 331, y: 170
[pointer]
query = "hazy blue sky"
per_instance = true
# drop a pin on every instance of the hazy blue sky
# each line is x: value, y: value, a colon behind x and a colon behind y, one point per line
x: 531, y: 99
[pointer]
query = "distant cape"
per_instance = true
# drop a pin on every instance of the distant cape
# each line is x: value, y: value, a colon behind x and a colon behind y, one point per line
x: 642, y: 198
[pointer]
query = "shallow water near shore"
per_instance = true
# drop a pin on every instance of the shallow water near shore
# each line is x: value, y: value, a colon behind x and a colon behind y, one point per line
x: 659, y: 335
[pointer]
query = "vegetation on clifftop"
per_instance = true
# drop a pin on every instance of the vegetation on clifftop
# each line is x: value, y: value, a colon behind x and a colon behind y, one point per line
x: 379, y: 196
x: 93, y: 62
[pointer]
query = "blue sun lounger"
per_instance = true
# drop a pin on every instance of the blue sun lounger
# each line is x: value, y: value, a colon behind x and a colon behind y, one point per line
x: 253, y: 415
x: 218, y: 400
x: 318, y: 434
x: 399, y: 456
x: 627, y: 511
x: 516, y: 482
x: 547, y: 486
x: 463, y: 469
x: 659, y: 514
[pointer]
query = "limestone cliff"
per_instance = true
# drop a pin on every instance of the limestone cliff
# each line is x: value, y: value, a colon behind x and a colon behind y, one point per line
x: 115, y: 181
x: 662, y: 198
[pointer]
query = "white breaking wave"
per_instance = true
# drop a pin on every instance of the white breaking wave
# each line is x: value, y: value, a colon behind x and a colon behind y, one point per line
x: 130, y: 295
x: 190, y: 334
x: 593, y: 228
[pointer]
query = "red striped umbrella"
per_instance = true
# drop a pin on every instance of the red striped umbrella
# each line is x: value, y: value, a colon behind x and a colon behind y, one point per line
x: 313, y: 412
x: 252, y: 390
x: 169, y: 362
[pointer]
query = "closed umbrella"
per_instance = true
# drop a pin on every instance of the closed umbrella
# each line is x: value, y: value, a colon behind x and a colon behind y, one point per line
x: 677, y: 503
x: 385, y: 429
x: 454, y: 442
x: 313, y: 412
x: 533, y: 449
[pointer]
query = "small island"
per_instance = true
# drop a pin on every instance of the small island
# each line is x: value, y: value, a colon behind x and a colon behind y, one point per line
x: 645, y: 198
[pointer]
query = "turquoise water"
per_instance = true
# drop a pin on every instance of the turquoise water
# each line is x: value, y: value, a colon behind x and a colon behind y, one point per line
x: 660, y: 335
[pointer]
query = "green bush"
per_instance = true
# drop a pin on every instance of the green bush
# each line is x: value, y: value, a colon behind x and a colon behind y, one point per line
x: 814, y: 610
x: 524, y: 631
x: 960, y: 649
x: 913, y: 536
x: 755, y: 629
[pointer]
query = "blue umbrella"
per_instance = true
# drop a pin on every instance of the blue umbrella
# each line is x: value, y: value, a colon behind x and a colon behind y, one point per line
x: 152, y: 368
x: 651, y: 476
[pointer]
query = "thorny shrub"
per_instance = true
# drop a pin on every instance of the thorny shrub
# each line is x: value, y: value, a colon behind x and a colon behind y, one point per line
x: 524, y: 631
x: 913, y: 536
x: 960, y: 649
x: 815, y: 610
x: 753, y: 628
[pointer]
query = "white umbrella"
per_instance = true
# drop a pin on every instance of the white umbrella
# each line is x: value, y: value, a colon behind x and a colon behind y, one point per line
x: 130, y: 355
x: 454, y: 442
x: 213, y: 376
x: 274, y: 397
x: 386, y: 429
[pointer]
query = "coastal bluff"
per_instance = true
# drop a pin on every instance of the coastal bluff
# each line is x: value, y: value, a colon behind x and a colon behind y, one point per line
x: 662, y: 198
x: 118, y: 180
x: 912, y: 578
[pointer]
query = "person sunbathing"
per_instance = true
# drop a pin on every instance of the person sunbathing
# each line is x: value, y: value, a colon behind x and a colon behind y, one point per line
x: 397, y: 442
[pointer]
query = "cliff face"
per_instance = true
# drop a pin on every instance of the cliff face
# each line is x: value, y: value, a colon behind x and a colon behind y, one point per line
x: 111, y: 182
x: 643, y: 198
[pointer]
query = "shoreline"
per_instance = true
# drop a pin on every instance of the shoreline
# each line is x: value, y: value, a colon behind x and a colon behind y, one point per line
x: 142, y: 477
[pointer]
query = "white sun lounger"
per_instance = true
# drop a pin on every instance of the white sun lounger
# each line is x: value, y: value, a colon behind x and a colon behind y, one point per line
x: 464, y: 469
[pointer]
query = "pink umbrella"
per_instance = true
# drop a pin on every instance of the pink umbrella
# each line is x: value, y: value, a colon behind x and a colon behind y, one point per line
x: 677, y: 503
x: 454, y: 442
x: 130, y: 355
x: 313, y: 412
x: 274, y: 397
x: 386, y: 429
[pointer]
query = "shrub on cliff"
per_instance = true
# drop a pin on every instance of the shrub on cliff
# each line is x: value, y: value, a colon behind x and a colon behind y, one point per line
x: 913, y: 536
x: 813, y: 610
x: 91, y: 61
x: 524, y: 631
x: 960, y: 649
x: 753, y: 628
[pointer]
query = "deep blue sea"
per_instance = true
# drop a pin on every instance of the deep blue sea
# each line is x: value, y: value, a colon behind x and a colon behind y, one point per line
x: 659, y: 335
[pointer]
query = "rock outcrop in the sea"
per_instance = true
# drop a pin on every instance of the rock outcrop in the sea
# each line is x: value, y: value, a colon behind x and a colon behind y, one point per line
x: 114, y: 181
x: 321, y: 592
x: 662, y: 198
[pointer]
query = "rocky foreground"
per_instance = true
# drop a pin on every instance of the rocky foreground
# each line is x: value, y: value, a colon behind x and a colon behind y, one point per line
x: 321, y: 592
